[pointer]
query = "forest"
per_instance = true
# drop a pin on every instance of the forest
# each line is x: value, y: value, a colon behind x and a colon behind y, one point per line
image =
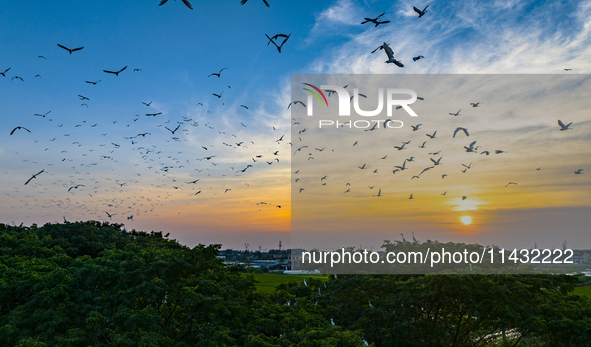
x: 93, y: 283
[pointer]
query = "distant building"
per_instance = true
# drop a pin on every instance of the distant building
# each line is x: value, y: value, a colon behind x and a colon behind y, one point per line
x: 581, y: 256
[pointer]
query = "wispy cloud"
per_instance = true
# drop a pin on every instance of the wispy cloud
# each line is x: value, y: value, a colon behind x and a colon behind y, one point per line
x: 467, y: 37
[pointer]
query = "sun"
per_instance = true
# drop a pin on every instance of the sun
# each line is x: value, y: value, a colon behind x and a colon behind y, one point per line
x: 466, y: 220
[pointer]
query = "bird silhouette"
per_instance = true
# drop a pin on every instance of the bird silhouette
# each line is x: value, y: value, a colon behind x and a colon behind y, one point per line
x: 295, y: 103
x: 19, y: 127
x: 245, y: 1
x: 218, y: 73
x: 420, y: 12
x: 116, y: 73
x: 76, y: 187
x: 70, y: 50
x: 272, y: 40
x: 173, y: 131
x: 42, y: 115
x: 463, y: 129
x: 376, y: 20
x: 34, y: 176
x: 187, y: 3
x: 390, y: 54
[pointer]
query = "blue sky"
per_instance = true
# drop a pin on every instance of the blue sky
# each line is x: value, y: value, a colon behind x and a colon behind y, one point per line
x: 176, y: 49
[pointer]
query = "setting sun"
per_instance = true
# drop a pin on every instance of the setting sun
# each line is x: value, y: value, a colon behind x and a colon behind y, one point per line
x: 466, y: 220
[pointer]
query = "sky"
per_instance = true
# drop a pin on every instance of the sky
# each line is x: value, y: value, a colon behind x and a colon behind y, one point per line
x: 90, y: 136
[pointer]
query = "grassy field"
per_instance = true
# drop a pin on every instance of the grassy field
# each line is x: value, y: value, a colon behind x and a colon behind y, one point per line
x: 267, y: 283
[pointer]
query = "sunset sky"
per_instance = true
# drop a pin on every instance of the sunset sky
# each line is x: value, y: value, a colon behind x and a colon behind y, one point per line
x: 352, y: 196
x: 90, y: 137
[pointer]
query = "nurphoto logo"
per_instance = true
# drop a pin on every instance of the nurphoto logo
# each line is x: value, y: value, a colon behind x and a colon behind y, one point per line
x: 345, y: 100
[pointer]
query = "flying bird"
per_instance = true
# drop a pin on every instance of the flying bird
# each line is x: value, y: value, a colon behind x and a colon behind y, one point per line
x: 5, y: 71
x: 403, y: 167
x: 70, y: 50
x: 19, y: 127
x: 218, y: 73
x: 187, y: 3
x: 420, y: 12
x: 173, y: 131
x: 579, y: 172
x: 510, y: 183
x: 390, y: 54
x: 76, y: 187
x: 400, y: 147
x: 428, y: 168
x: 471, y: 148
x: 218, y: 95
x: 244, y: 2
x: 432, y: 136
x: 463, y: 129
x: 295, y: 103
x: 116, y: 73
x: 147, y: 104
x: 418, y: 58
x: 377, y: 21
x: 272, y: 40
x: 93, y: 83
x: 42, y: 115
x: 34, y: 176
x: 564, y: 127
x: 455, y: 114
x: 475, y: 104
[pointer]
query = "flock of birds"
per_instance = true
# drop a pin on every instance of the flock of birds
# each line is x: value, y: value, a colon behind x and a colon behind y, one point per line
x: 161, y: 171
x: 168, y: 166
x: 354, y: 178
x: 436, y: 162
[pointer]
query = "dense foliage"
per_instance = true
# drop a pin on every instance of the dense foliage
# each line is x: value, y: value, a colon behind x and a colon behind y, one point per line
x: 91, y: 283
x: 88, y: 284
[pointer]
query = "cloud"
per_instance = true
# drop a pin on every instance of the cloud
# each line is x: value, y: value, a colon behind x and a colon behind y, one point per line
x: 467, y: 37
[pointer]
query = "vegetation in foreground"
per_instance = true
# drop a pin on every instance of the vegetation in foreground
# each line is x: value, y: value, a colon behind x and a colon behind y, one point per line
x: 91, y: 284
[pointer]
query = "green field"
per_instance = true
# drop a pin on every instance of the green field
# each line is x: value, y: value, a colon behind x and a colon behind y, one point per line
x: 584, y: 291
x: 267, y: 283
